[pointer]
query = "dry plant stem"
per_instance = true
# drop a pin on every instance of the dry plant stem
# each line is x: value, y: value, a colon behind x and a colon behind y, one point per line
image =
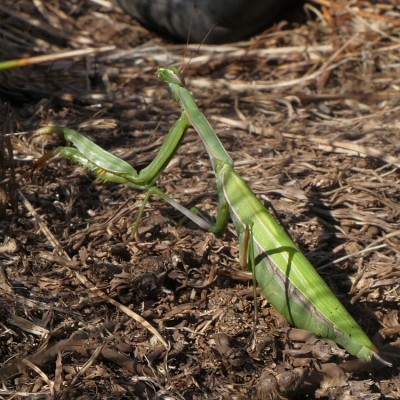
x: 22, y: 62
x: 49, y: 382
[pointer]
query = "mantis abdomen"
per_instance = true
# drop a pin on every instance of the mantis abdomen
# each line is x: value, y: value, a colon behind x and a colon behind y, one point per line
x: 286, y: 277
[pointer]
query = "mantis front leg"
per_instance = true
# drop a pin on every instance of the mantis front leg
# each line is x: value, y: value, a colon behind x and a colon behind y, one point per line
x: 110, y: 168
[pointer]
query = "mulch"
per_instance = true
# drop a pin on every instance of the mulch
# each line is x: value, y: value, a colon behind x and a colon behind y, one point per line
x: 309, y: 110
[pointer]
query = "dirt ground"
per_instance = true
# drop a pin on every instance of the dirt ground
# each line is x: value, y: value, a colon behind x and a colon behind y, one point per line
x: 309, y: 110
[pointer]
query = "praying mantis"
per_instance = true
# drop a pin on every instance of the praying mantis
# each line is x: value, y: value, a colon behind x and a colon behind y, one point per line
x: 286, y: 277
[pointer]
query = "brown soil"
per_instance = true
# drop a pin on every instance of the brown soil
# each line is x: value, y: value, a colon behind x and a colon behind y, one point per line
x: 309, y: 110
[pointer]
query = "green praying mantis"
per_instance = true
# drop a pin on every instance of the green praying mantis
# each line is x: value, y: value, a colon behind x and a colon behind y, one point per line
x: 286, y: 277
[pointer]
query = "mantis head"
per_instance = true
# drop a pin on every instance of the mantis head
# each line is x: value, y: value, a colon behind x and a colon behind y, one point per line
x: 171, y: 75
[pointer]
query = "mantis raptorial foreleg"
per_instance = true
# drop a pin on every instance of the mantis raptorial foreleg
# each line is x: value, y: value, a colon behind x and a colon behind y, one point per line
x: 110, y: 168
x: 285, y: 276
